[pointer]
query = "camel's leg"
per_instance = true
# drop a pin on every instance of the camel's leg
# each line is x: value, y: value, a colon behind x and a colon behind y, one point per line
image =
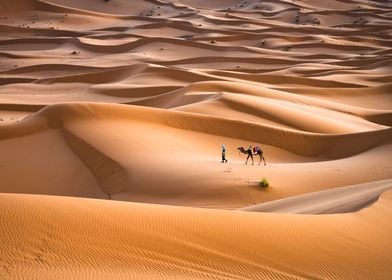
x: 252, y: 159
x: 247, y: 159
x: 263, y: 160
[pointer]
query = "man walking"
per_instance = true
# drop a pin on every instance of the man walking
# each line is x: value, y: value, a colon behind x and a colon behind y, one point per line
x: 224, y: 154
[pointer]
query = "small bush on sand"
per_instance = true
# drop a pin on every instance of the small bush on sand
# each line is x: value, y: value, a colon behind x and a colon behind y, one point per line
x: 264, y: 183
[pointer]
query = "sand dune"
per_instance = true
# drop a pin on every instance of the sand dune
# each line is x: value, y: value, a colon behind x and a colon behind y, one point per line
x: 81, y: 238
x: 339, y: 200
x: 109, y: 101
x: 115, y: 143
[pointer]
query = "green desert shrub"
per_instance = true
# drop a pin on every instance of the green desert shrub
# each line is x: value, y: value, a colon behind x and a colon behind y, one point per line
x: 264, y: 183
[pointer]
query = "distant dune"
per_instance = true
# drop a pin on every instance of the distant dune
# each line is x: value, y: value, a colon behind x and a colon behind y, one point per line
x: 112, y: 118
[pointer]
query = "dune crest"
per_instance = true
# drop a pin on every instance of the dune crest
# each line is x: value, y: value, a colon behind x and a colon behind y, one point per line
x: 339, y: 200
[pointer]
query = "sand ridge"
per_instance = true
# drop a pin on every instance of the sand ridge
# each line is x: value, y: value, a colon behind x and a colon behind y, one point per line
x: 338, y: 200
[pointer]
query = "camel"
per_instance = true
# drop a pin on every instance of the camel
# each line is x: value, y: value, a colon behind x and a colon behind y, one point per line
x: 248, y: 152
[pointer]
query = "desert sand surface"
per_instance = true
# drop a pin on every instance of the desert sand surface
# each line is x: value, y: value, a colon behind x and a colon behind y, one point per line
x: 333, y: 201
x: 112, y: 117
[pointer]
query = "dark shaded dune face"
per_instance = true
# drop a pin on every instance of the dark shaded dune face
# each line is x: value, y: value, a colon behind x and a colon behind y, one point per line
x: 8, y: 7
x: 220, y: 4
x: 110, y: 6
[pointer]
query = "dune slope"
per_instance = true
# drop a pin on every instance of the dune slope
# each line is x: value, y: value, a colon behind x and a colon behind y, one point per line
x: 79, y: 238
x: 111, y: 151
x: 339, y: 200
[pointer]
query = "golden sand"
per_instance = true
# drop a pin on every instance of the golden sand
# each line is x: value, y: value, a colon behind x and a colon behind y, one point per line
x: 112, y: 117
